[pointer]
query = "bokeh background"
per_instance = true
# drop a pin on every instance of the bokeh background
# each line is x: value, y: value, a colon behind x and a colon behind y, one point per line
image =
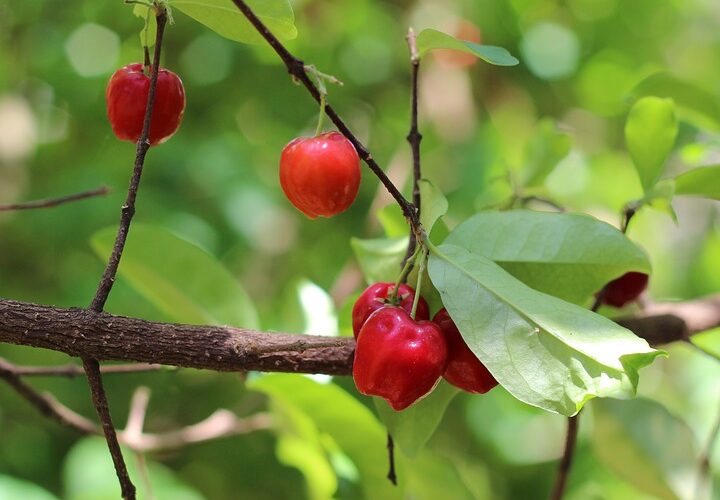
x: 583, y: 63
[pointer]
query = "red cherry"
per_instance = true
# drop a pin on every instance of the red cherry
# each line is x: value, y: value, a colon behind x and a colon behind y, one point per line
x: 463, y: 369
x: 126, y: 98
x: 320, y: 175
x: 398, y: 358
x: 625, y: 289
x: 373, y: 298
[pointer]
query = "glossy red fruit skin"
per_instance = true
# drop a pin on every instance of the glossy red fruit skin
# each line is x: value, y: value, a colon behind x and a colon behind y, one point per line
x: 320, y: 175
x: 398, y: 358
x: 373, y: 298
x: 463, y: 369
x: 625, y: 289
x: 126, y: 99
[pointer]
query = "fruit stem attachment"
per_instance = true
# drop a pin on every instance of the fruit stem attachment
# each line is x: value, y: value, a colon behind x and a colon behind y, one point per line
x: 407, y: 267
x: 421, y: 271
x: 320, y: 78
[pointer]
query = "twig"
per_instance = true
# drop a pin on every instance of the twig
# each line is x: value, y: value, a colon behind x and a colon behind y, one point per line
x: 72, y: 371
x: 545, y: 201
x: 392, y: 476
x: 54, y: 202
x: 566, y: 461
x: 704, y: 466
x: 91, y: 366
x: 296, y: 68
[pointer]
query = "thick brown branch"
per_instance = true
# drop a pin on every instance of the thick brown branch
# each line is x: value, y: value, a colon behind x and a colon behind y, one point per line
x: 296, y: 68
x: 103, y: 336
x: 54, y: 202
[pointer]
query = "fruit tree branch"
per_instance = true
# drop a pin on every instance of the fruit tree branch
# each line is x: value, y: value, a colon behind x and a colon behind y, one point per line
x: 78, y: 332
x: 54, y: 202
x: 296, y: 68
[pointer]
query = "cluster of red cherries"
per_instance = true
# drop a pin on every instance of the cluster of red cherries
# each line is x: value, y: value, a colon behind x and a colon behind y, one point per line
x: 401, y: 359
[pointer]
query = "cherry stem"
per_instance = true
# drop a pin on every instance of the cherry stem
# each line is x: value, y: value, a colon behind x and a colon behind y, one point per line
x: 407, y: 267
x: 321, y: 117
x: 421, y: 271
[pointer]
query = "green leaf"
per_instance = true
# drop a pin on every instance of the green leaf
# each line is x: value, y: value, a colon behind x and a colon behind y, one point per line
x: 650, y: 133
x: 180, y: 279
x: 544, y: 151
x: 708, y: 341
x: 224, y: 18
x: 350, y: 424
x: 412, y: 428
x: 694, y: 104
x: 393, y: 221
x: 544, y: 351
x: 660, y: 198
x: 11, y: 487
x: 433, y: 204
x: 570, y: 256
x: 149, y: 25
x: 88, y: 474
x: 642, y: 442
x: 380, y: 259
x: 703, y: 181
x: 429, y: 39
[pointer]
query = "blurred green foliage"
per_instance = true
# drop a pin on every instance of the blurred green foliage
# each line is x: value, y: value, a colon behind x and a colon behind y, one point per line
x: 583, y: 64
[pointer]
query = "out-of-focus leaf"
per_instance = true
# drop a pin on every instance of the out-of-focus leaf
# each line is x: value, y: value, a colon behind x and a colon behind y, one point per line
x: 650, y: 133
x: 11, y: 488
x: 224, y: 18
x: 694, y: 104
x: 703, y: 181
x: 708, y: 341
x: 149, y: 29
x: 351, y: 425
x: 179, y: 278
x: 642, y: 442
x: 544, y: 351
x: 88, y: 474
x: 429, y: 39
x: 434, y: 204
x: 380, y: 259
x: 544, y: 151
x: 393, y: 221
x: 570, y: 256
x: 660, y: 198
x: 412, y: 428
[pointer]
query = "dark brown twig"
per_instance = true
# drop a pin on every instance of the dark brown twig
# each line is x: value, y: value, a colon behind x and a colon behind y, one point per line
x: 91, y: 366
x: 54, y: 202
x: 296, y: 68
x: 567, y: 458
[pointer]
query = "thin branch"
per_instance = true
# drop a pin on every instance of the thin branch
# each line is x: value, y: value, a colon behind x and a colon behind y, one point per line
x: 296, y: 68
x: 567, y: 458
x: 545, y: 201
x: 73, y: 371
x: 414, y: 137
x: 219, y: 425
x: 91, y: 366
x: 54, y: 202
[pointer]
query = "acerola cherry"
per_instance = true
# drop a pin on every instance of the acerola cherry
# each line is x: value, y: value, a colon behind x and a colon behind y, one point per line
x: 625, y: 289
x: 320, y: 175
x: 126, y: 98
x: 463, y: 369
x: 374, y: 297
x: 398, y: 358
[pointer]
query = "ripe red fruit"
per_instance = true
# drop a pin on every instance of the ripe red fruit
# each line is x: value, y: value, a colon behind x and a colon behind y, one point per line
x: 373, y: 298
x: 320, y: 175
x: 126, y: 98
x: 398, y: 358
x: 463, y: 369
x: 625, y: 289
